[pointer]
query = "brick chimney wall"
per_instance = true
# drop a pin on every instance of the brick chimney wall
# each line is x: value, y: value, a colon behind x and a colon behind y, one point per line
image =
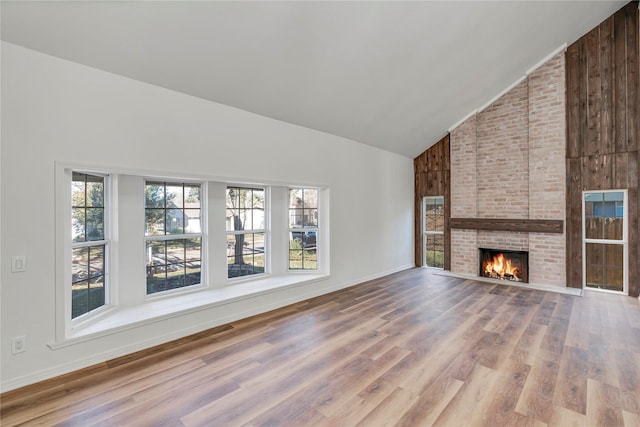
x: 508, y: 161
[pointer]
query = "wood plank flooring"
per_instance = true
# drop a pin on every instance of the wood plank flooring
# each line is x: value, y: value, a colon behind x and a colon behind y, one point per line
x: 410, y: 349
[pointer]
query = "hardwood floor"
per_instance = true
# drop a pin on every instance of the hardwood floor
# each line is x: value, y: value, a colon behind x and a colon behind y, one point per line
x: 410, y: 349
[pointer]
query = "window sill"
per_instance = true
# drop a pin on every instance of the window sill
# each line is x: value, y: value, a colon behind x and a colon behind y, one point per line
x: 120, y: 319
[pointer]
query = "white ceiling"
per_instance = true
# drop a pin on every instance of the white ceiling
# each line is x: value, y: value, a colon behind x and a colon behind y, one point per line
x: 395, y: 75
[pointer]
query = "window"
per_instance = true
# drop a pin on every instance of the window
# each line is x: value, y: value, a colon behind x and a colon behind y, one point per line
x: 303, y: 229
x: 605, y: 240
x: 433, y: 235
x: 131, y: 248
x: 173, y: 235
x: 88, y: 244
x: 245, y: 231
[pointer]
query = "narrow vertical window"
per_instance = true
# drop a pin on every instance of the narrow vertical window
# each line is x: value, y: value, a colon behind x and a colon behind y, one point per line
x: 303, y: 229
x: 605, y: 241
x: 433, y: 231
x: 173, y: 235
x: 245, y: 231
x: 88, y: 244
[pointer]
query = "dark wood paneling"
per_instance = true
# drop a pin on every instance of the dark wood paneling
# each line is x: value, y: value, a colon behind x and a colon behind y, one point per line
x: 446, y: 157
x: 634, y: 243
x: 607, y: 82
x: 620, y: 170
x: 633, y: 172
x: 633, y: 76
x: 505, y: 224
x: 620, y: 87
x: 598, y: 170
x: 432, y: 178
x: 575, y: 98
x: 592, y: 144
x: 633, y: 169
x: 602, y: 129
x: 574, y: 223
x: 447, y: 207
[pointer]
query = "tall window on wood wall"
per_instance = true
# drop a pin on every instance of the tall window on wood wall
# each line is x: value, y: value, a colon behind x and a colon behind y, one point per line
x: 433, y: 231
x: 605, y: 240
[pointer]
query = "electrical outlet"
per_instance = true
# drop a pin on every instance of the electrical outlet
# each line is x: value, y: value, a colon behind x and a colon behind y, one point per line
x: 18, y: 344
x: 18, y: 264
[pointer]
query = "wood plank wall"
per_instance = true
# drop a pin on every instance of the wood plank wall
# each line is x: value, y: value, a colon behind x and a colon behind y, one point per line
x: 603, y: 74
x: 432, y: 170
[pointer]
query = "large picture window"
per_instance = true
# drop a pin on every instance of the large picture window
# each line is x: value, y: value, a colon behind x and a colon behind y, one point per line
x: 114, y: 270
x: 245, y: 231
x: 88, y: 243
x: 303, y: 229
x: 173, y: 235
x: 433, y: 231
x: 605, y: 240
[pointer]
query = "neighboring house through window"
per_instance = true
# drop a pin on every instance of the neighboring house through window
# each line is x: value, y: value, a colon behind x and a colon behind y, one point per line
x: 173, y: 235
x: 113, y: 271
x: 303, y: 229
x: 605, y: 240
x: 246, y: 233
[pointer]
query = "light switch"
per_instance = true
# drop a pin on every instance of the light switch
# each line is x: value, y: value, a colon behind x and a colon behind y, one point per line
x: 18, y: 264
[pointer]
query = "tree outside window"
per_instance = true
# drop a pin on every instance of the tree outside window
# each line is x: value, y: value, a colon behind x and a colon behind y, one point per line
x: 246, y: 241
x: 173, y: 235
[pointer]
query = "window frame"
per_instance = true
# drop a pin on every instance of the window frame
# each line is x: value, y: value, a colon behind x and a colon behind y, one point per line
x: 168, y: 237
x: 624, y: 242
x: 426, y: 232
x: 264, y: 231
x: 106, y: 242
x: 129, y: 306
x: 304, y: 229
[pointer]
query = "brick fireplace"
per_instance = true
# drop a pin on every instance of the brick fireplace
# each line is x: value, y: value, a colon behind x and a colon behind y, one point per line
x: 508, y: 163
x: 513, y: 173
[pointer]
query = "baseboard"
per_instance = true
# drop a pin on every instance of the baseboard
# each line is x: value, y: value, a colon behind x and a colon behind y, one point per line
x: 88, y: 362
x: 539, y: 287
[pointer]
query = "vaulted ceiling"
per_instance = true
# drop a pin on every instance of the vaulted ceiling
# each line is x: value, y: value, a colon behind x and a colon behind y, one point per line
x: 394, y: 75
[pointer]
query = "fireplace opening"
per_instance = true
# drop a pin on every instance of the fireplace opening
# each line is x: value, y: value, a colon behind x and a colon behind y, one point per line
x: 504, y: 265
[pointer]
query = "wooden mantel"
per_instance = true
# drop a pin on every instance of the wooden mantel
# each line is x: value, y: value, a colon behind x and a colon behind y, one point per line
x: 502, y: 224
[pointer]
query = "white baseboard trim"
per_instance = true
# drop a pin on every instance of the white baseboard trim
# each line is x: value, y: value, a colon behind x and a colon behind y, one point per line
x: 75, y: 365
x: 537, y: 286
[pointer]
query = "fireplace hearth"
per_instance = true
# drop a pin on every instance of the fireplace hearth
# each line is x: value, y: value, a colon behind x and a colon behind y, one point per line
x: 504, y: 265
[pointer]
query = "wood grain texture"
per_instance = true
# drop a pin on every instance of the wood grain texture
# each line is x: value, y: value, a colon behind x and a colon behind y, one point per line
x: 432, y: 177
x: 575, y: 102
x: 603, y: 122
x: 501, y: 224
x: 410, y: 349
x: 592, y: 144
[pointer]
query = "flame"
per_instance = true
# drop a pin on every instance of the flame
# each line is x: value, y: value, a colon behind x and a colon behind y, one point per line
x: 501, y: 266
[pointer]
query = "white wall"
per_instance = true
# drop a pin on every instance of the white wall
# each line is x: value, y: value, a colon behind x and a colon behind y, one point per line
x: 55, y: 110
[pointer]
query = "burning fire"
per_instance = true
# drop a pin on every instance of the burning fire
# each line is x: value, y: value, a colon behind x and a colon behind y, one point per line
x: 501, y: 267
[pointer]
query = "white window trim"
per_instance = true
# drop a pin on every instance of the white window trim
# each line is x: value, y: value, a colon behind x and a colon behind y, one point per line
x: 108, y: 214
x: 425, y: 232
x: 265, y: 231
x: 129, y: 308
x: 624, y: 242
x: 202, y: 235
x: 316, y: 229
x: 64, y: 324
